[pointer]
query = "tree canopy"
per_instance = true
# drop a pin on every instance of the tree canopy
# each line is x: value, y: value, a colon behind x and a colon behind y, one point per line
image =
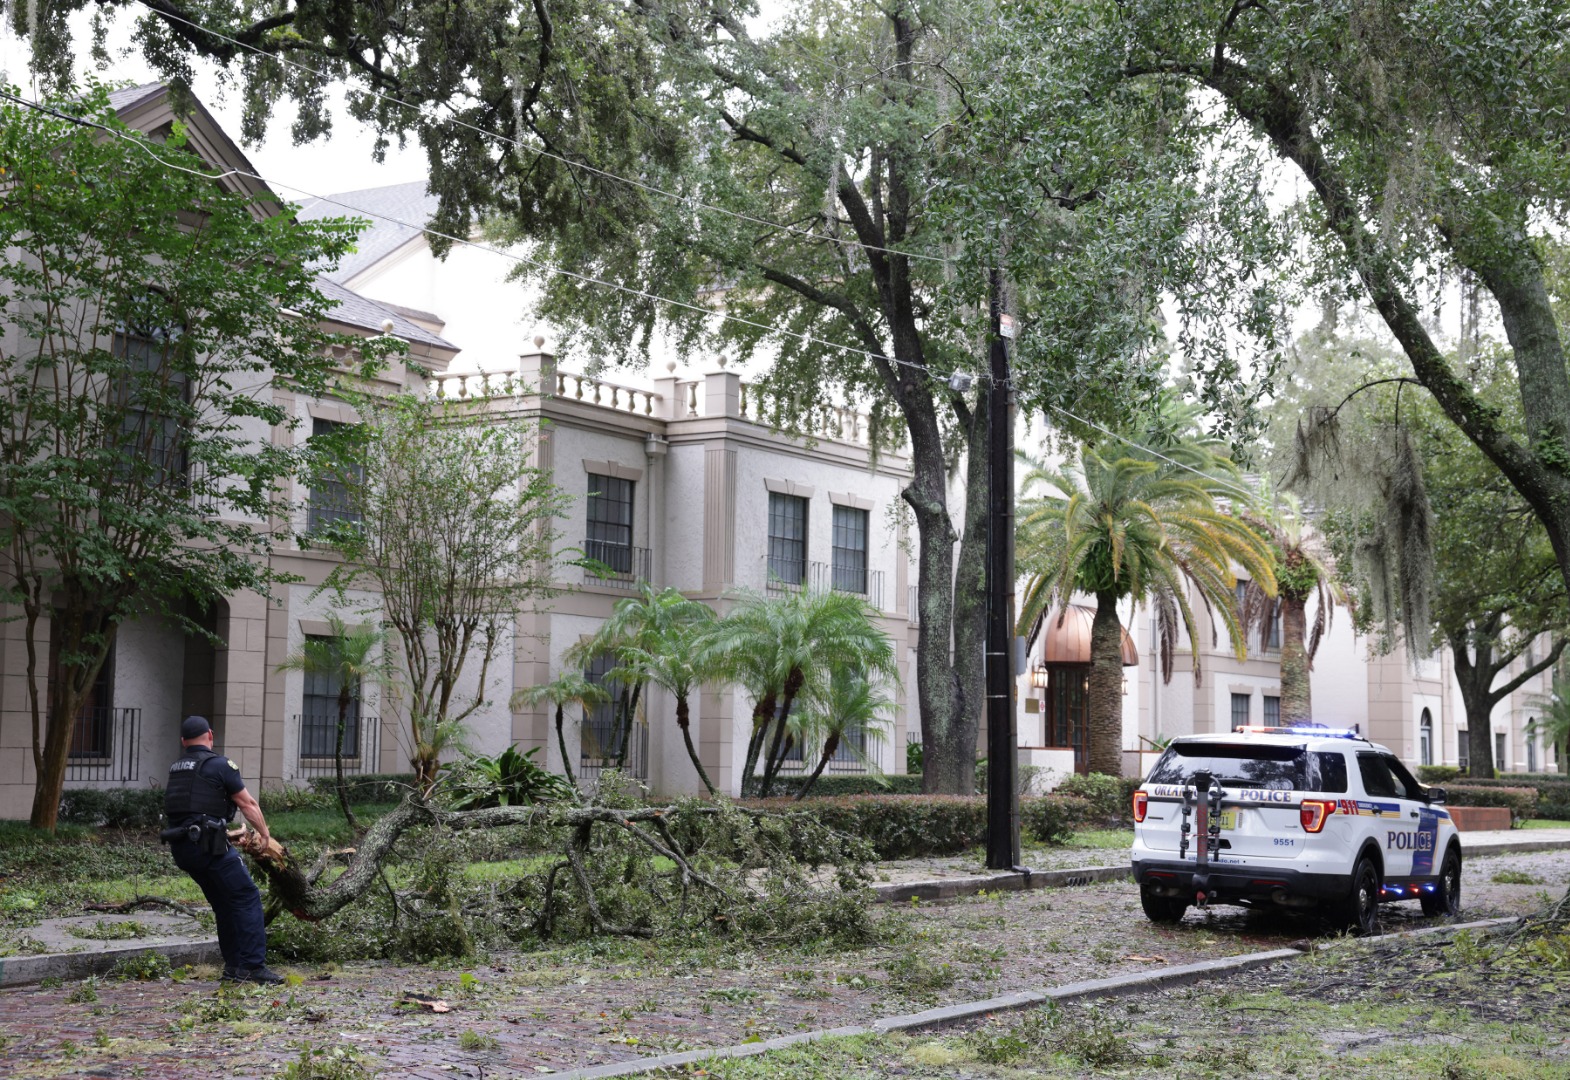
x: 143, y: 310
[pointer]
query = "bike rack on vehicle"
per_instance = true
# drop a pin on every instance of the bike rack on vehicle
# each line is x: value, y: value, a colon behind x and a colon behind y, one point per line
x: 1201, y: 816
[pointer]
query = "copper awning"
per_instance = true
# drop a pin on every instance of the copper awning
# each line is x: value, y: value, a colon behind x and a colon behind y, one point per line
x: 1067, y: 640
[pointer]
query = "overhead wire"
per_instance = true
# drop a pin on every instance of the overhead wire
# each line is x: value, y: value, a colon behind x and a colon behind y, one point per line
x: 538, y: 264
x: 540, y: 152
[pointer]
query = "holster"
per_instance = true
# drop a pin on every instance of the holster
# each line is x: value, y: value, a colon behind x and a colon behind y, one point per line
x: 181, y: 832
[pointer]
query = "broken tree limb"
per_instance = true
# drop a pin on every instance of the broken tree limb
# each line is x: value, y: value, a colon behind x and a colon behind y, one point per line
x: 147, y: 901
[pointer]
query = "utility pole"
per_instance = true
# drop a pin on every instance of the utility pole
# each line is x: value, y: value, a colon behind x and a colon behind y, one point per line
x: 1002, y: 763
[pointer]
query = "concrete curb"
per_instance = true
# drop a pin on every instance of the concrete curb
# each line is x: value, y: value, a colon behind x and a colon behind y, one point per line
x: 1472, y: 851
x: 949, y: 888
x: 21, y: 970
x: 1091, y: 989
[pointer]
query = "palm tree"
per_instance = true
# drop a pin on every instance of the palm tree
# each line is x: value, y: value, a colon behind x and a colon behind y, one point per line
x: 782, y: 648
x: 1554, y: 723
x: 853, y: 713
x: 351, y: 656
x: 656, y: 638
x: 568, y: 688
x: 1302, y: 571
x: 1145, y: 527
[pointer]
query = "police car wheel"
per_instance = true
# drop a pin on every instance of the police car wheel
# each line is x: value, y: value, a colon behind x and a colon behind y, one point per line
x: 1360, y: 910
x: 1162, y: 909
x: 1446, y: 900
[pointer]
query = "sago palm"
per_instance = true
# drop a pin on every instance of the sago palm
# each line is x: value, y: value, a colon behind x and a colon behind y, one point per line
x: 351, y: 656
x: 853, y: 712
x: 1144, y: 528
x: 782, y: 648
x: 568, y: 688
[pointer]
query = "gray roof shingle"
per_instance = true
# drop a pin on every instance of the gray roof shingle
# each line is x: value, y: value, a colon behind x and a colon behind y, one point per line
x: 356, y: 310
x: 396, y: 214
x: 126, y: 97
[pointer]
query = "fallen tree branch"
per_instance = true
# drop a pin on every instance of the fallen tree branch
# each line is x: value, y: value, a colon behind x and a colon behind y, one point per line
x: 147, y: 901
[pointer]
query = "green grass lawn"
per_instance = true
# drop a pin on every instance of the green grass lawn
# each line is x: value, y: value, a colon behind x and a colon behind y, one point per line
x: 1545, y: 823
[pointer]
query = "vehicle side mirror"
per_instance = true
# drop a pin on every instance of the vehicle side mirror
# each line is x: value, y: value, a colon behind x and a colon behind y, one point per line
x: 1435, y: 796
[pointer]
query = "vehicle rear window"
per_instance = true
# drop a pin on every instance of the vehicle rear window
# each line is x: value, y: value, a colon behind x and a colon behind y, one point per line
x: 1274, y: 768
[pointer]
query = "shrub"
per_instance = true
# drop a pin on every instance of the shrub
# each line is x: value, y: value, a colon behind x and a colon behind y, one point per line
x: 119, y: 808
x: 1111, y: 798
x: 1520, y: 801
x: 508, y: 779
x: 1052, y: 819
x: 911, y: 826
x: 1553, y: 791
x: 1437, y: 774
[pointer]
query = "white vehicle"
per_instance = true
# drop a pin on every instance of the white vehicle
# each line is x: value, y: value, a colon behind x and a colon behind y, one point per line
x: 1303, y: 817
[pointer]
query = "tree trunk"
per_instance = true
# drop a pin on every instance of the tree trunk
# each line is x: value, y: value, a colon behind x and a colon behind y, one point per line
x: 762, y: 714
x: 343, y: 788
x: 1297, y: 706
x: 70, y: 686
x: 1506, y: 262
x: 830, y: 744
x: 561, y: 741
x: 1473, y: 679
x: 776, y: 755
x: 1105, y: 737
x: 684, y: 721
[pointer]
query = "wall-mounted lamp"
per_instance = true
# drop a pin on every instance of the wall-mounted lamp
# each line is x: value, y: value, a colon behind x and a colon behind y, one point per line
x: 1039, y: 676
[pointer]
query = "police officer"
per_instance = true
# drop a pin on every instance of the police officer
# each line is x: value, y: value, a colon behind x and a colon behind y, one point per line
x: 204, y: 791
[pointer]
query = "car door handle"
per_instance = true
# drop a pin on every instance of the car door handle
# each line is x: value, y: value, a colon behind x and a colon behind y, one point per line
x: 1412, y: 814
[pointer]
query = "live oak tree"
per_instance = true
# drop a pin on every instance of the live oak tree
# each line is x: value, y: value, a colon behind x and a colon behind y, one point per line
x: 1437, y: 544
x: 452, y: 527
x: 143, y: 310
x: 1431, y: 136
x: 870, y: 167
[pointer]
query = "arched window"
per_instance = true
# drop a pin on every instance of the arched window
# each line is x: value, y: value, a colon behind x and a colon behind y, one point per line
x: 1425, y: 738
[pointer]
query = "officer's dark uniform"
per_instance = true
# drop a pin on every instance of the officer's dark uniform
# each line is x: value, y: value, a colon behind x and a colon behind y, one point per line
x: 200, y: 786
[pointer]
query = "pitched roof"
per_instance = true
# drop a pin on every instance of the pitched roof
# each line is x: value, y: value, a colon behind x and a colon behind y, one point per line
x: 126, y: 97
x: 367, y: 314
x: 396, y: 214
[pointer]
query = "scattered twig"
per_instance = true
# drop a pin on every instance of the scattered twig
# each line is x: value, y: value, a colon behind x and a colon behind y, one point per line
x: 146, y: 901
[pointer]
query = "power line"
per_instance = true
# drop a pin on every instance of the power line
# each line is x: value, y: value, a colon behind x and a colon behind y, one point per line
x: 539, y: 152
x: 808, y: 339
x: 1244, y: 493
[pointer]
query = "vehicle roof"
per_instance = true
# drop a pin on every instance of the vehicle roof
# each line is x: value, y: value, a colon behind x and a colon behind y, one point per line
x: 1307, y: 740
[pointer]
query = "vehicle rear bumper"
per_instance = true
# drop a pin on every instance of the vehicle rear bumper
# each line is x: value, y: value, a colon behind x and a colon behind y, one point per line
x: 1226, y: 881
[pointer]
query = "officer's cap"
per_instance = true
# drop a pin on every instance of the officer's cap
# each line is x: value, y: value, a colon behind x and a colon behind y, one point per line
x: 194, y: 727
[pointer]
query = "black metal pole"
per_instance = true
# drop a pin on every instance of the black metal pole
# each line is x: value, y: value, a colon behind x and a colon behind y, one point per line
x: 1002, y: 766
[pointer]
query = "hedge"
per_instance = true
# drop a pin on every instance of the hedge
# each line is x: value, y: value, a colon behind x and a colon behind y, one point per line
x: 1553, y: 791
x: 119, y: 808
x: 912, y: 826
x: 1111, y: 798
x: 1438, y: 774
x: 1520, y: 801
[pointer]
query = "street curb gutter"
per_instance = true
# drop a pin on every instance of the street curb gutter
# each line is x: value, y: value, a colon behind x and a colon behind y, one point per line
x: 949, y: 888
x: 1117, y: 986
x: 21, y: 970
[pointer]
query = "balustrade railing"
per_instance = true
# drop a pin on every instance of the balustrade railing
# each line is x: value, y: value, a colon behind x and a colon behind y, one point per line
x: 619, y: 566
x: 105, y: 746
x: 319, y: 741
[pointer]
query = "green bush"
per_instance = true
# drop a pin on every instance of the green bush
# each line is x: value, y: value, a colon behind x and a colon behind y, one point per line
x: 1437, y: 774
x: 1520, y: 801
x: 859, y: 784
x: 1111, y: 798
x: 1552, y: 789
x: 912, y: 826
x: 507, y: 779
x: 1052, y: 819
x: 119, y: 808
x: 368, y: 787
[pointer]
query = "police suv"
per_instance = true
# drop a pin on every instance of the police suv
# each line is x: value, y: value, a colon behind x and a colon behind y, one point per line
x: 1299, y: 817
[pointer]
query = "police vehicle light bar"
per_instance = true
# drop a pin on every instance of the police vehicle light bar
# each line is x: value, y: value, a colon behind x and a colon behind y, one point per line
x: 1304, y: 729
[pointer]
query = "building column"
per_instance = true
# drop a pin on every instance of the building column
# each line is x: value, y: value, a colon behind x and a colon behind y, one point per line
x: 239, y: 688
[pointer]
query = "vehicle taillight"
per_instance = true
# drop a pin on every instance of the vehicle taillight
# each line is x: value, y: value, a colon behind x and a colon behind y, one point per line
x: 1315, y: 813
x: 1141, y: 801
